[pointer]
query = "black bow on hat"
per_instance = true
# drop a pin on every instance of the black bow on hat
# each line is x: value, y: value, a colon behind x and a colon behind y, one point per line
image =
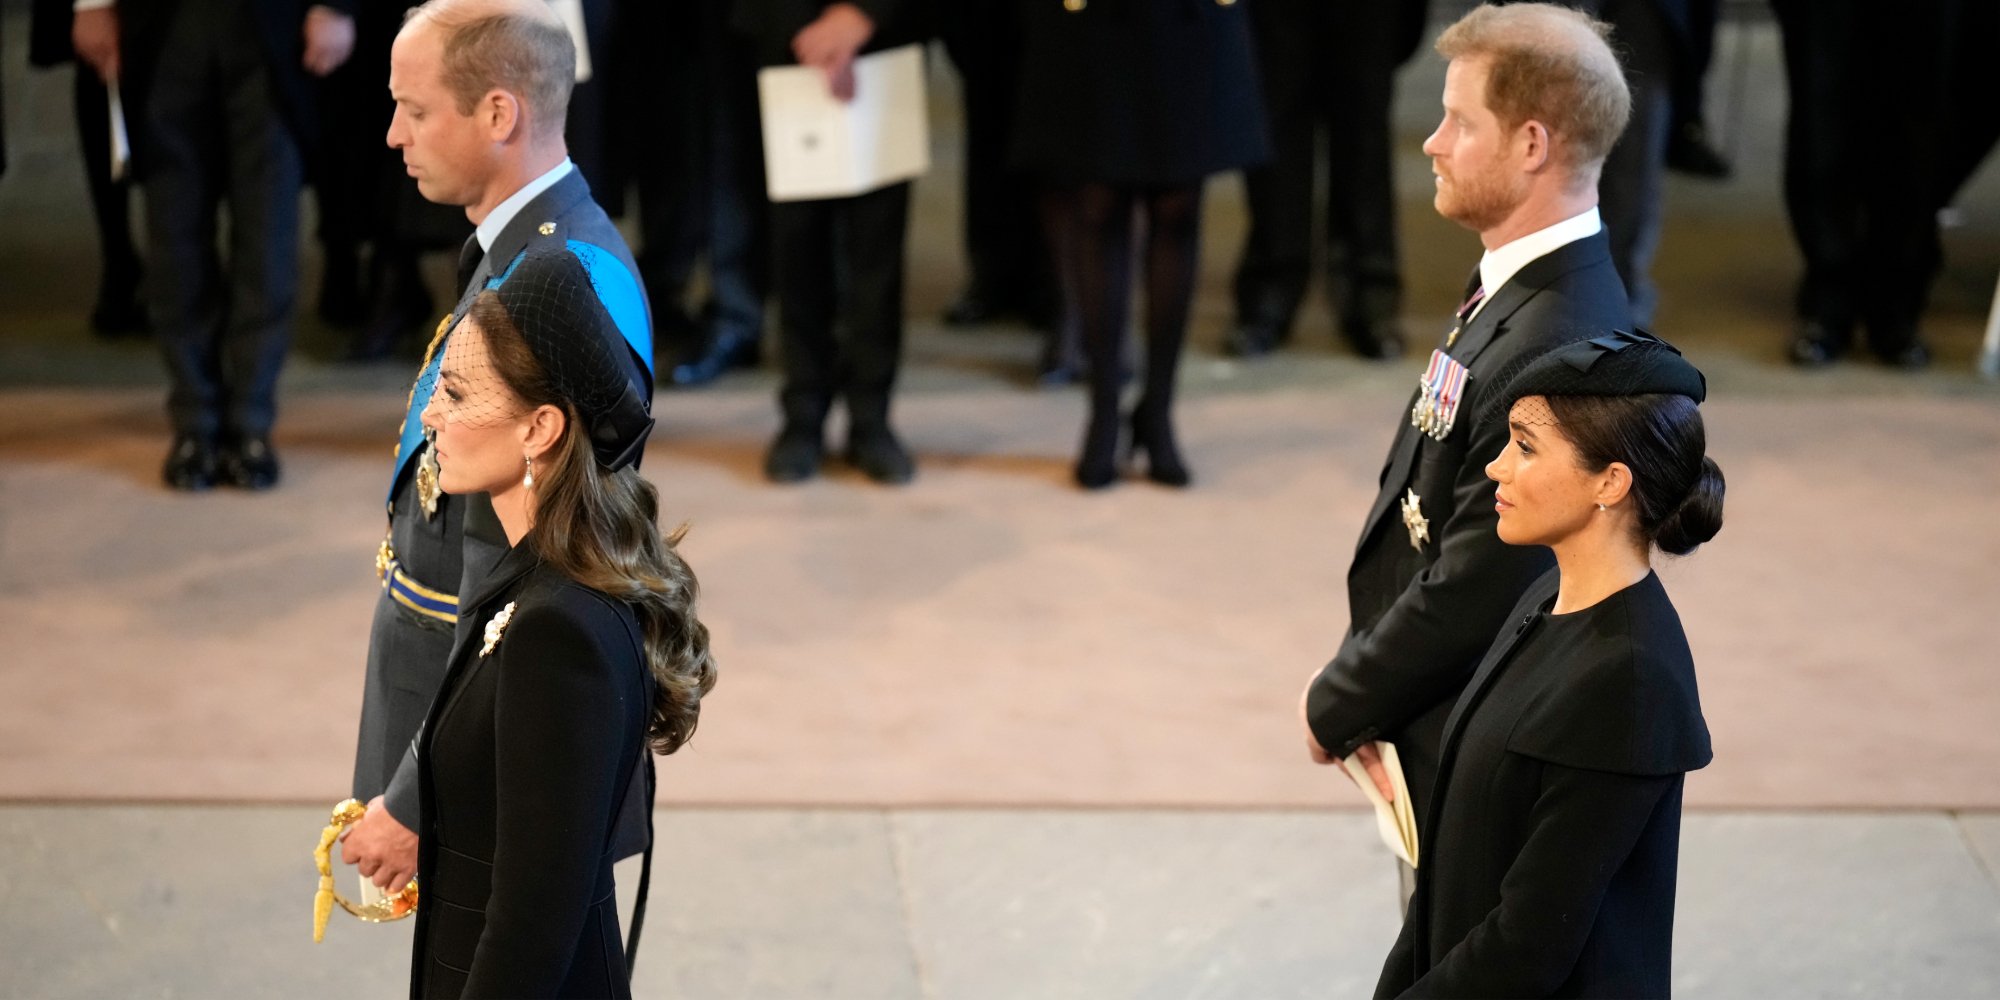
x: 1619, y: 363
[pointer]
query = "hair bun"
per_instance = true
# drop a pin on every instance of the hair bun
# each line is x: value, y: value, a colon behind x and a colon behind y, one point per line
x: 1698, y: 516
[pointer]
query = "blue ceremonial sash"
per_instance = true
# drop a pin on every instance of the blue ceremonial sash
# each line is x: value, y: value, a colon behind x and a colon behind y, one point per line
x: 617, y: 288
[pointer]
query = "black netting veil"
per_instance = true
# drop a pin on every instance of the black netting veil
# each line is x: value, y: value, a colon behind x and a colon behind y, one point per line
x: 549, y: 297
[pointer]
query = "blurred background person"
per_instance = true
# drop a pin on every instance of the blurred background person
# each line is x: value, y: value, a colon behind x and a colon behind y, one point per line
x: 1008, y: 263
x: 698, y: 161
x: 1125, y: 108
x: 1328, y: 70
x: 839, y: 260
x: 117, y: 312
x: 1862, y: 155
x: 222, y: 112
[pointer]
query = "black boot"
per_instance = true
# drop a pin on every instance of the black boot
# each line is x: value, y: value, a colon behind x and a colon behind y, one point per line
x: 1153, y: 433
x: 1097, y: 465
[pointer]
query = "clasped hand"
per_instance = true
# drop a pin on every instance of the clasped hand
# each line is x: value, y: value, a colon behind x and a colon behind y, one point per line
x: 385, y: 850
x: 1370, y: 758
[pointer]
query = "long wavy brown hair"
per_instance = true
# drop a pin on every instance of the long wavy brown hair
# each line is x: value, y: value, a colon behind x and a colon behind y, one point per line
x: 601, y: 529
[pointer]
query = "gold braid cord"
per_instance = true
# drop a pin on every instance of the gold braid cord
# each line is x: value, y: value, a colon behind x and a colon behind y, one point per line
x: 395, y: 907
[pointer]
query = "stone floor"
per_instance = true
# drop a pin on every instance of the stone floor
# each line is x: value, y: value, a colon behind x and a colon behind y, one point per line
x: 178, y: 901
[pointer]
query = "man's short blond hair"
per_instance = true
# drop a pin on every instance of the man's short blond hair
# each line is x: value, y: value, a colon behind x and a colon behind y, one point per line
x: 521, y: 48
x: 1552, y: 65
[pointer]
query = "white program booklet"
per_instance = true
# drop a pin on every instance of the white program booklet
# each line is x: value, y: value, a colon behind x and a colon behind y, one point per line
x: 1395, y: 821
x: 817, y: 146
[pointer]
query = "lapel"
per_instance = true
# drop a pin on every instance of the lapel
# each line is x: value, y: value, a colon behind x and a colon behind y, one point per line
x: 1477, y: 335
x: 475, y: 610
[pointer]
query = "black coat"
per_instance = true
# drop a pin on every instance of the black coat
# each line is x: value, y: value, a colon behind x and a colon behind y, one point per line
x: 1422, y: 619
x: 1137, y: 92
x: 523, y: 762
x: 1553, y: 841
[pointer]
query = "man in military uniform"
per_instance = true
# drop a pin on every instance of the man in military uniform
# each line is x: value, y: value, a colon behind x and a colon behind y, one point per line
x: 491, y: 140
x: 1533, y: 101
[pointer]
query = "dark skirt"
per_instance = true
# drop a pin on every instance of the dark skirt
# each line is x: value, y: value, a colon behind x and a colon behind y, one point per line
x: 1145, y: 92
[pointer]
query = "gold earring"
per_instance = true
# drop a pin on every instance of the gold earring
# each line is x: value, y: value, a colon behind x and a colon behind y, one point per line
x: 529, y: 479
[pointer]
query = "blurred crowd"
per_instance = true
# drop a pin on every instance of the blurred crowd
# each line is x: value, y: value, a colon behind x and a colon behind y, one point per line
x: 1090, y: 127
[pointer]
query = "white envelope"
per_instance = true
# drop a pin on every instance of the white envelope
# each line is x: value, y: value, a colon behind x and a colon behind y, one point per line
x: 816, y: 146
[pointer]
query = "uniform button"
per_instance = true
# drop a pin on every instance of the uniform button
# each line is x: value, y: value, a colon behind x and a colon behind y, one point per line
x: 1073, y: 5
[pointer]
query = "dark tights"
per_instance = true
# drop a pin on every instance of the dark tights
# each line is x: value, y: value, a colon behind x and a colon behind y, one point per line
x: 1094, y: 254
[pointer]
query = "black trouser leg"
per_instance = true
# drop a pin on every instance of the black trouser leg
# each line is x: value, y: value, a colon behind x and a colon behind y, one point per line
x: 1002, y: 245
x: 1272, y: 273
x: 869, y: 238
x: 739, y: 233
x: 802, y: 233
x: 262, y: 188
x: 1823, y: 143
x: 185, y: 167
x: 1632, y: 189
x: 1357, y: 89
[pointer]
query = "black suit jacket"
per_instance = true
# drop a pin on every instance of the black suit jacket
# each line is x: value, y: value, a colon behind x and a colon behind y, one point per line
x: 1554, y: 837
x: 280, y: 30
x: 1421, y: 619
x: 524, y: 761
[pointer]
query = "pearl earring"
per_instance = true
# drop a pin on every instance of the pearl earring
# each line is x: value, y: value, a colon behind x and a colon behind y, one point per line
x: 528, y: 480
x: 1600, y: 507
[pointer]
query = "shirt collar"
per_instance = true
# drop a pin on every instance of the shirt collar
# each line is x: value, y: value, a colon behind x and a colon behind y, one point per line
x: 497, y: 220
x: 1500, y: 264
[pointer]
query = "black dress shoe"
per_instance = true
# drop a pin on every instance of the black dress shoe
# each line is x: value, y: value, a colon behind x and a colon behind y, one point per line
x: 971, y: 308
x: 250, y: 464
x: 1255, y: 338
x: 1816, y: 345
x: 1377, y: 340
x: 795, y: 454
x: 1690, y: 152
x: 190, y: 464
x: 724, y: 352
x: 875, y: 451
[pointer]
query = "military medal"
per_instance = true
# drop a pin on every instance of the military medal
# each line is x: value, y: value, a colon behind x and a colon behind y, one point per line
x: 385, y: 557
x: 427, y: 482
x: 1413, y: 519
x: 1439, y: 392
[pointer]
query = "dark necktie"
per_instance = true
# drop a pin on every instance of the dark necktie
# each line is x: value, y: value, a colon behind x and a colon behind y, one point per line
x: 469, y: 257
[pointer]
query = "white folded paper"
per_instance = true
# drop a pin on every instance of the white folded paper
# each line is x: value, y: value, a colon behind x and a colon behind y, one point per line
x: 121, y: 141
x: 1395, y: 821
x: 817, y: 146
